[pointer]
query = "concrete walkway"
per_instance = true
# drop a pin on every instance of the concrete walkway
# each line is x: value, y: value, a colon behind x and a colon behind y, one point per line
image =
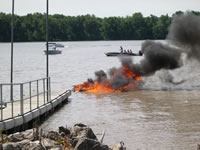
x: 22, y: 107
x: 25, y: 115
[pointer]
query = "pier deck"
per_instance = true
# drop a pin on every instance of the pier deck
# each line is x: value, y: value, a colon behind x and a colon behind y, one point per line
x: 28, y: 105
x: 29, y: 109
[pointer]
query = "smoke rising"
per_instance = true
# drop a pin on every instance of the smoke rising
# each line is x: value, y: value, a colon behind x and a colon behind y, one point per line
x: 116, y: 77
x: 167, y: 77
x: 184, y: 32
x: 157, y: 56
x: 184, y: 37
x: 101, y: 76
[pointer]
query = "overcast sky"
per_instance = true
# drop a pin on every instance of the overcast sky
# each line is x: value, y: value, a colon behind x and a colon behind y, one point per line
x: 101, y: 8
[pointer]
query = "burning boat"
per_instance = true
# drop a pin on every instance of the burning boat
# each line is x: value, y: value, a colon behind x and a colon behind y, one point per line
x: 120, y: 80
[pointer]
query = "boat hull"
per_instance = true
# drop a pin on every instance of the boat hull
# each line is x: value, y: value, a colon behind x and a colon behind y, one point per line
x: 121, y: 54
x: 53, y: 52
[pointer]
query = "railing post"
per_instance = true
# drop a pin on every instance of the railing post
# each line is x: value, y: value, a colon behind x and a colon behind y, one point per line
x: 37, y: 94
x: 1, y: 98
x: 21, y: 99
x: 47, y: 48
x: 11, y: 99
x: 44, y: 89
x: 49, y: 88
x: 30, y: 95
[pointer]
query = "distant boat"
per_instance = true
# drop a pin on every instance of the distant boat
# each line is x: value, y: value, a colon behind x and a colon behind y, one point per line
x: 59, y: 45
x: 52, y: 49
x: 123, y: 54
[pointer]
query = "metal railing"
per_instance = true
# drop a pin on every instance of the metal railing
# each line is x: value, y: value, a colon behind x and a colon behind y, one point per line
x: 19, y: 98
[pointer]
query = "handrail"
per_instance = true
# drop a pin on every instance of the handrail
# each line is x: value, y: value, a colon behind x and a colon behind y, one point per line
x: 28, y: 96
x: 22, y: 82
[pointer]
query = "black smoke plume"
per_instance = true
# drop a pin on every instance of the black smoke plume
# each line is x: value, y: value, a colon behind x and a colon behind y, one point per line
x: 184, y: 32
x: 157, y: 56
x: 183, y: 38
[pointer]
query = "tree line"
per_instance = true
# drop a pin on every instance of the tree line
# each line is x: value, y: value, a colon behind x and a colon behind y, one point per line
x: 32, y: 27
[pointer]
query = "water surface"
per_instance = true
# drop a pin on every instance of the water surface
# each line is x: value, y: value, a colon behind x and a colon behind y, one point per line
x: 156, y: 115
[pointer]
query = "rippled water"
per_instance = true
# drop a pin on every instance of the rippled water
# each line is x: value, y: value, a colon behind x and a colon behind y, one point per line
x: 157, y: 115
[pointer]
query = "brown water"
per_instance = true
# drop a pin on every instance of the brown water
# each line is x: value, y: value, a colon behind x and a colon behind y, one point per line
x: 155, y: 116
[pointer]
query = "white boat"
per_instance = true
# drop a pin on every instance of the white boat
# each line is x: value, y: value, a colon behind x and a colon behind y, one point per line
x: 59, y: 45
x: 52, y: 49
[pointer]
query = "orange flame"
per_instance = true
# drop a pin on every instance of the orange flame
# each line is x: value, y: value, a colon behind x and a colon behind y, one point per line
x: 106, y: 86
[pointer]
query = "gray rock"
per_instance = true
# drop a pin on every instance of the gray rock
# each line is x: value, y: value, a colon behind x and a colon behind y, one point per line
x: 62, y: 134
x: 52, y: 135
x: 119, y: 146
x: 34, y: 146
x: 64, y: 130
x: 83, y: 131
x: 48, y: 143
x: 85, y: 139
x: 28, y: 134
x: 23, y: 145
x: 80, y: 125
x: 16, y: 137
x: 90, y: 144
x: 19, y: 136
x: 8, y: 146
x: 56, y: 148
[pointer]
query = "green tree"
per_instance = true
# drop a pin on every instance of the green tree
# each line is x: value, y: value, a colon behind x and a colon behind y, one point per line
x: 92, y: 28
x: 151, y: 21
x: 5, y: 27
x: 111, y: 29
x: 32, y: 27
x: 160, y: 30
x: 139, y: 26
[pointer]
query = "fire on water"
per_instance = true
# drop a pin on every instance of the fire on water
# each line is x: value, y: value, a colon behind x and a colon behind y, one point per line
x: 125, y: 74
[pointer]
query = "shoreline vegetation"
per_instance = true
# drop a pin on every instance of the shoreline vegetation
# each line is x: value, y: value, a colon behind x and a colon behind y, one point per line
x: 80, y: 137
x: 31, y: 27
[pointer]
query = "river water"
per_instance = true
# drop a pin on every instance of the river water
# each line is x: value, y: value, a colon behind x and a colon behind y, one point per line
x: 155, y: 116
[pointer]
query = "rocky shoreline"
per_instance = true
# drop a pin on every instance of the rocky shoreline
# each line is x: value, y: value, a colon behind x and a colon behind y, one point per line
x: 79, y: 137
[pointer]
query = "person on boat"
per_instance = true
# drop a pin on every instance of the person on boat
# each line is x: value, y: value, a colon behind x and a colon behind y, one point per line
x: 140, y: 52
x: 121, y: 49
x: 130, y: 51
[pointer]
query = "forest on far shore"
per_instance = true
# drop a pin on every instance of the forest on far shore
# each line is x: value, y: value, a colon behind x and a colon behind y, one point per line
x: 32, y: 27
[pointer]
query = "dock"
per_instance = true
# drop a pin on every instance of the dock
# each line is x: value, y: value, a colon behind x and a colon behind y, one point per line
x: 22, y: 104
x: 33, y: 103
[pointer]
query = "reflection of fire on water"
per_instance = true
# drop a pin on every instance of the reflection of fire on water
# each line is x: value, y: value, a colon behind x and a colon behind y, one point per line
x: 122, y: 79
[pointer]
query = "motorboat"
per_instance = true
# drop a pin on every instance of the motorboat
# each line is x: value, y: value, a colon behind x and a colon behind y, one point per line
x: 51, y: 52
x: 123, y: 54
x: 52, y: 49
x: 59, y: 45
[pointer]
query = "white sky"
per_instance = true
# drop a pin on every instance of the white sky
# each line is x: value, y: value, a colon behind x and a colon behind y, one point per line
x: 101, y: 8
